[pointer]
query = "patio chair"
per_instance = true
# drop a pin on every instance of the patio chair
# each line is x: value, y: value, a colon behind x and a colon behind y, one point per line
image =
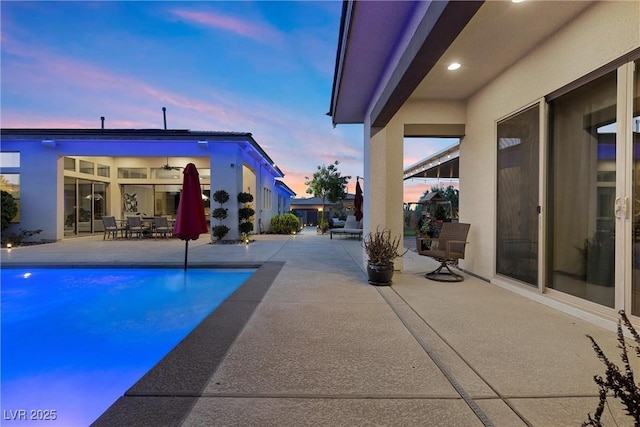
x: 448, y: 248
x: 161, y: 226
x: 135, y: 226
x: 111, y: 227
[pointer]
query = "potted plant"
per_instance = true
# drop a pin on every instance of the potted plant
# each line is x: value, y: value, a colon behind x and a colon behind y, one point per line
x: 381, y: 250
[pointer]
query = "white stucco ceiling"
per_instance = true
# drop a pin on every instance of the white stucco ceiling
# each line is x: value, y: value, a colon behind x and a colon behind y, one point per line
x: 496, y: 37
x: 499, y: 34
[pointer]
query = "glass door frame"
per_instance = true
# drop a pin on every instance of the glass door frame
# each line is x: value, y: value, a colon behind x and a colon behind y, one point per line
x: 625, y: 188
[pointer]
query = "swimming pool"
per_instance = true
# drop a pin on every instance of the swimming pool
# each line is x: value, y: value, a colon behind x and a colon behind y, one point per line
x: 73, y: 340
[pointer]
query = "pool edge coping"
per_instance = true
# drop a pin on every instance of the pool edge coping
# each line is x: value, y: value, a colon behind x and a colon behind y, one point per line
x: 166, y: 394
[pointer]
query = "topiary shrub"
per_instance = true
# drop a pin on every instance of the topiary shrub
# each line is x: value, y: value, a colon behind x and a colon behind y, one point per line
x: 220, y: 213
x: 245, y: 223
x: 245, y: 227
x: 245, y: 198
x: 221, y: 196
x: 245, y: 213
x: 219, y: 231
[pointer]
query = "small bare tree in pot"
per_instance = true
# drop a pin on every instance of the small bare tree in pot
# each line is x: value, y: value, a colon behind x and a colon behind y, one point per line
x: 381, y: 250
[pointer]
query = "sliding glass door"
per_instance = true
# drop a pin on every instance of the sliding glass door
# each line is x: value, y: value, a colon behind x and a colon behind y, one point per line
x: 582, y: 223
x: 518, y: 196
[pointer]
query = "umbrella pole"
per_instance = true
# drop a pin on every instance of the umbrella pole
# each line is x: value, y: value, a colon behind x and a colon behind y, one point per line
x: 186, y: 252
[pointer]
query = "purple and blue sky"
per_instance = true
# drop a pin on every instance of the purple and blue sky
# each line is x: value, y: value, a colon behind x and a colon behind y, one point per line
x: 262, y: 67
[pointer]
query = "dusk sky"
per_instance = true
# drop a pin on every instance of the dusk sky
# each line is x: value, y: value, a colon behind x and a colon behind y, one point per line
x: 261, y: 67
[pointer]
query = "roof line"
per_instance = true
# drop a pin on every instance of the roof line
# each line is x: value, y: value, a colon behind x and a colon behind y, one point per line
x: 440, y: 26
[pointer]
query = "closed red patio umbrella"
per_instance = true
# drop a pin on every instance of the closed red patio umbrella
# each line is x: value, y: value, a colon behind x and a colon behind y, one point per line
x: 190, y: 219
x: 357, y: 202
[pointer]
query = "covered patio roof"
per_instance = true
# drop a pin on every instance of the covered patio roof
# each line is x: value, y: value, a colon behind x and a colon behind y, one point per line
x: 443, y: 164
x: 409, y: 59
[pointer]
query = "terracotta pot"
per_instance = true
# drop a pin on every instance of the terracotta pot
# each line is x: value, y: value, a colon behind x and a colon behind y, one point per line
x: 380, y: 274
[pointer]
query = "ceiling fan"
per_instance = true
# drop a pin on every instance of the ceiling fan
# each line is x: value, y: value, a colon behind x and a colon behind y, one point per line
x: 168, y: 167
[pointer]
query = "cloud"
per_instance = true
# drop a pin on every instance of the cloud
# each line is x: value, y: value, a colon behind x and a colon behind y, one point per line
x: 59, y: 91
x: 256, y: 31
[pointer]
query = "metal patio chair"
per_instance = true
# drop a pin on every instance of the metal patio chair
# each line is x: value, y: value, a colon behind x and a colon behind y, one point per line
x: 447, y: 248
x: 161, y: 226
x: 111, y: 227
x: 135, y: 226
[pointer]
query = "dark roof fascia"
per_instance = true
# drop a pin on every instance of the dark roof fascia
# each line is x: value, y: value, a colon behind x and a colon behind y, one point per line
x: 158, y: 134
x: 138, y: 134
x: 439, y: 28
x: 285, y: 187
x: 345, y: 25
x: 270, y: 162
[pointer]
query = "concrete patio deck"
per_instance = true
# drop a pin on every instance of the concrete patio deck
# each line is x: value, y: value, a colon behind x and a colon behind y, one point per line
x: 309, y: 342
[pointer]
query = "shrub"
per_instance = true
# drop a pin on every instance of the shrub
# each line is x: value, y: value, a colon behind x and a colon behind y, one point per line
x: 245, y: 198
x: 618, y: 381
x: 219, y: 231
x: 285, y: 224
x: 221, y: 196
x: 9, y: 209
x: 245, y: 213
x: 219, y: 213
x: 17, y: 238
x: 245, y: 227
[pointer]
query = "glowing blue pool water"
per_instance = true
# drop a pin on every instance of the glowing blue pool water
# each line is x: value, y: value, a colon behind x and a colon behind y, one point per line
x: 74, y: 340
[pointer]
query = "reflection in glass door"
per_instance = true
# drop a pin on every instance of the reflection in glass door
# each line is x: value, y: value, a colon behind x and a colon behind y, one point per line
x: 582, y: 192
x: 70, y: 206
x: 517, y: 196
x: 85, y: 213
x: 84, y: 206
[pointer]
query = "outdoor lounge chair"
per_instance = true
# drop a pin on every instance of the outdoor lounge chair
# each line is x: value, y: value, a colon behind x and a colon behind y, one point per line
x: 351, y: 227
x: 448, y: 248
x: 161, y: 226
x: 111, y: 227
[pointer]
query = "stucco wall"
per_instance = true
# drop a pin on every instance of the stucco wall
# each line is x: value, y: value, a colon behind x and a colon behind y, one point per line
x: 42, y: 175
x: 600, y: 35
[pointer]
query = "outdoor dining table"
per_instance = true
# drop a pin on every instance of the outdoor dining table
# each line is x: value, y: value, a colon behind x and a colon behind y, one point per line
x: 147, y: 222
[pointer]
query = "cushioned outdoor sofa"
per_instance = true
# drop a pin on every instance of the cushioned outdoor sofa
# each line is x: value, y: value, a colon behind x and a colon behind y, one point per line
x: 352, y: 227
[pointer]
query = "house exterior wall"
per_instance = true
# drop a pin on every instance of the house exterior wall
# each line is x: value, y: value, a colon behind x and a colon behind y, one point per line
x: 42, y: 175
x: 41, y: 189
x: 226, y: 175
x: 600, y: 35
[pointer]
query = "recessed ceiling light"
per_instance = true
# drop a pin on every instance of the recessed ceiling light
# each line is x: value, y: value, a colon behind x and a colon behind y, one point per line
x: 517, y: 1
x: 453, y: 66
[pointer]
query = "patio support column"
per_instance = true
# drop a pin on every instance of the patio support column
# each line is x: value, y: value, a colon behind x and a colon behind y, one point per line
x: 383, y: 173
x: 226, y: 174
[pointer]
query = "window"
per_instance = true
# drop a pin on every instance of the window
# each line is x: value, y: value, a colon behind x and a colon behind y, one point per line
x: 69, y: 164
x: 266, y: 198
x: 87, y: 167
x: 139, y: 173
x: 103, y: 170
x: 10, y: 160
x: 162, y: 173
x: 10, y: 182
